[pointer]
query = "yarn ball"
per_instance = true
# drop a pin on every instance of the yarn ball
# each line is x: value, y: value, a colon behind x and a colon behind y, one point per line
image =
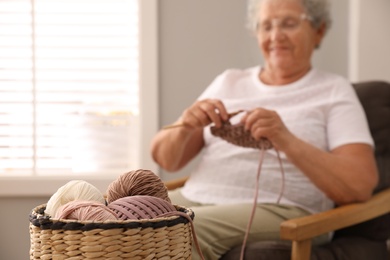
x: 137, y: 182
x: 73, y: 190
x: 140, y: 207
x: 85, y: 210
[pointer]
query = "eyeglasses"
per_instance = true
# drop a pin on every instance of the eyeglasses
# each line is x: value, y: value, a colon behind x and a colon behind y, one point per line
x: 288, y: 24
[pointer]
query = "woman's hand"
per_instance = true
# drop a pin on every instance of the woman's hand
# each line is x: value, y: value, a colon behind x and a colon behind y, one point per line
x: 346, y: 174
x: 203, y: 113
x: 172, y: 149
x: 266, y: 123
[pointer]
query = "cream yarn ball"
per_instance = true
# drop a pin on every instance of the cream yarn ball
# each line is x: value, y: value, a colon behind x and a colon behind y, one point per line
x: 73, y: 190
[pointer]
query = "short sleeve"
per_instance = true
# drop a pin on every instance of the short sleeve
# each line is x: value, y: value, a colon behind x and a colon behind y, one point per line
x: 346, y: 121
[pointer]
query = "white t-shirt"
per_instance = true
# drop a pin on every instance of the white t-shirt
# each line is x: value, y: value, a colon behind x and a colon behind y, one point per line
x: 320, y: 108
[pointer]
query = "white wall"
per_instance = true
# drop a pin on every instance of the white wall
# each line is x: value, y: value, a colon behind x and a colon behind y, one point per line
x: 198, y: 40
x: 373, y: 40
x: 333, y: 53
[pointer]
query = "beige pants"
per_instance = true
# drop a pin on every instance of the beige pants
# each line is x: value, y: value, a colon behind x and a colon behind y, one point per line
x: 221, y: 227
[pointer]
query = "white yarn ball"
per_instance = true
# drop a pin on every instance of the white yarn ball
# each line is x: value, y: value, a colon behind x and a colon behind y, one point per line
x: 73, y: 190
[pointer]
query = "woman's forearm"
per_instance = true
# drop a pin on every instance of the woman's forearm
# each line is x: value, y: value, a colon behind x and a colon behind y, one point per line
x: 173, y: 148
x: 347, y: 174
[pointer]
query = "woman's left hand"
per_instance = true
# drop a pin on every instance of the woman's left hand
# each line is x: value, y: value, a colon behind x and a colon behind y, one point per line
x: 346, y: 174
x: 266, y: 123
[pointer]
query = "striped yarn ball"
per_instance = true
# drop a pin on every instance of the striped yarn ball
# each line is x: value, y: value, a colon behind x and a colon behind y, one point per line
x: 140, y: 207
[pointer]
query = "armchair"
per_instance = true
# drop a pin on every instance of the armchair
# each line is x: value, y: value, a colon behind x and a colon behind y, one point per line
x: 362, y: 230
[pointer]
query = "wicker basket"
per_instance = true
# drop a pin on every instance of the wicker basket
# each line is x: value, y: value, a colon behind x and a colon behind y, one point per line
x: 159, y: 238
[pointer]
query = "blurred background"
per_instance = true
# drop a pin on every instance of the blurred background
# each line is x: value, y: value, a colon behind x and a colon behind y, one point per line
x: 86, y: 84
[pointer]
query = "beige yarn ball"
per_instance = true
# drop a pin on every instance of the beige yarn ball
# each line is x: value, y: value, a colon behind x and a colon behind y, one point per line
x: 73, y: 190
x: 137, y: 182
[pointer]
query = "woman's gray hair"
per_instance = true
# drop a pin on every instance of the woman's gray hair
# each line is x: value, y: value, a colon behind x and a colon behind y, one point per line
x: 318, y: 10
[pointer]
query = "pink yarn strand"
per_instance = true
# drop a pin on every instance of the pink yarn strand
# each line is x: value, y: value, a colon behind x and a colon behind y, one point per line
x: 283, y: 177
x: 262, y: 152
x: 254, y: 204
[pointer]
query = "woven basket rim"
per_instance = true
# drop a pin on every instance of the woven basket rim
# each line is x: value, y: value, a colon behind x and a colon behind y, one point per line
x: 39, y: 219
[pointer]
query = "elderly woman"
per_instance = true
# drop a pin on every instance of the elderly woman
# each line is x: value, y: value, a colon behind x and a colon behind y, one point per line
x: 313, y: 118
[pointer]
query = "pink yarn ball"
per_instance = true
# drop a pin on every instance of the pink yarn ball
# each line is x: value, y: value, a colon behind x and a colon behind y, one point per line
x: 140, y: 207
x: 85, y: 210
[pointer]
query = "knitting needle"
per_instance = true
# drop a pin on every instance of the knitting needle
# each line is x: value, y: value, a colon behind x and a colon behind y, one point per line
x: 230, y: 115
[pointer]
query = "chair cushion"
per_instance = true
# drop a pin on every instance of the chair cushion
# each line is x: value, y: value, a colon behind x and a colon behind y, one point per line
x: 262, y: 250
x: 347, y: 248
x: 351, y: 248
x: 375, y: 98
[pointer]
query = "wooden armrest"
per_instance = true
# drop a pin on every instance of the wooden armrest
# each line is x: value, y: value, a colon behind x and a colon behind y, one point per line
x: 176, y: 183
x: 311, y: 226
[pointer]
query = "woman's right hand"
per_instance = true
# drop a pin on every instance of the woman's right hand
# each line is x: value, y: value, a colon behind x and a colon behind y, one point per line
x: 203, y: 113
x: 173, y: 148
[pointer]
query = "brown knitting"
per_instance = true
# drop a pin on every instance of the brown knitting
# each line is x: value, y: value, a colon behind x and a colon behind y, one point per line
x: 236, y: 134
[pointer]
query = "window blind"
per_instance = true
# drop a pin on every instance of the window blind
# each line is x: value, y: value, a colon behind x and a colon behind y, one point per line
x: 69, y: 76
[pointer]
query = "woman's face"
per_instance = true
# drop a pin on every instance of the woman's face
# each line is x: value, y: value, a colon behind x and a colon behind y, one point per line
x: 286, y: 36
